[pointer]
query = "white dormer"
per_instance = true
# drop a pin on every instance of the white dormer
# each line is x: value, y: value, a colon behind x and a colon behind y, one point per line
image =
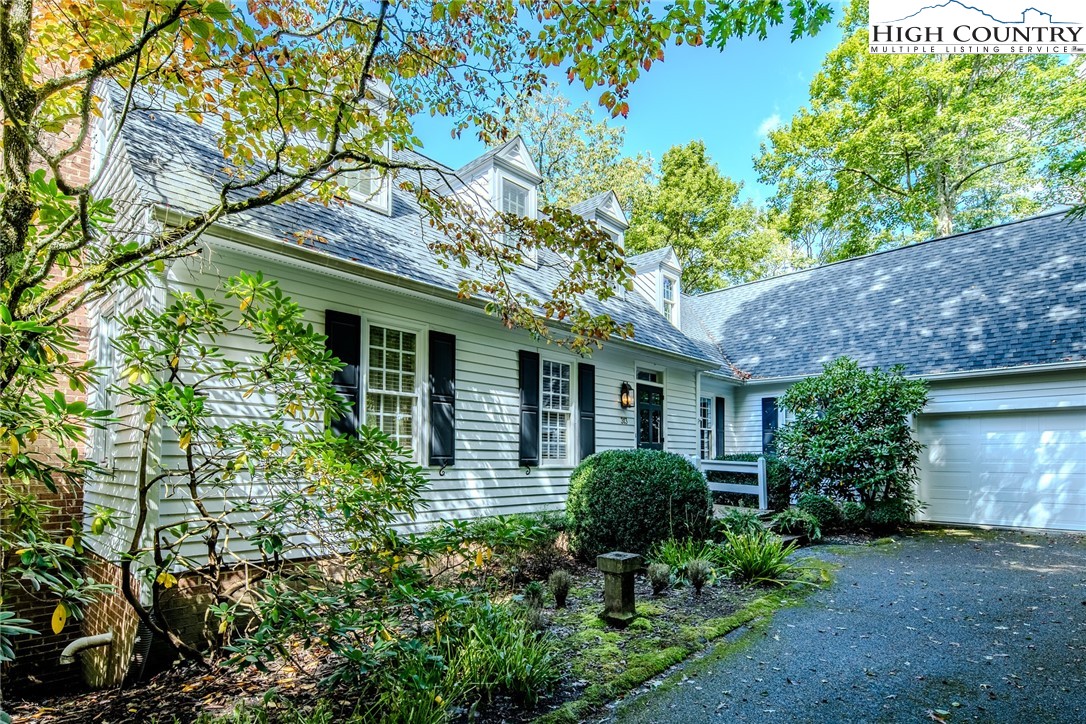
x: 505, y: 179
x: 659, y: 280
x: 606, y: 211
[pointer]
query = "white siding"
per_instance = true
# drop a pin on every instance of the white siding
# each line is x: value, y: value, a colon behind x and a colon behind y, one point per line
x: 715, y: 387
x: 486, y: 478
x: 645, y: 284
x: 1027, y: 391
x: 748, y: 414
x: 115, y: 489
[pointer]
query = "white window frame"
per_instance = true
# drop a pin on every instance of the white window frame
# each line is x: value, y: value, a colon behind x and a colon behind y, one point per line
x: 501, y: 177
x: 420, y: 413
x: 706, y: 428
x: 669, y: 308
x: 570, y: 412
x: 105, y: 398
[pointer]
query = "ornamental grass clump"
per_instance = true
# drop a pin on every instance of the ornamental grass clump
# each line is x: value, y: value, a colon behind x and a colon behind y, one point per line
x: 699, y: 572
x: 759, y: 559
x: 560, y: 582
x: 660, y: 577
x: 679, y: 553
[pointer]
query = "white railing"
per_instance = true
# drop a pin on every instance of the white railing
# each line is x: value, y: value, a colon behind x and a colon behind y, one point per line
x: 757, y: 467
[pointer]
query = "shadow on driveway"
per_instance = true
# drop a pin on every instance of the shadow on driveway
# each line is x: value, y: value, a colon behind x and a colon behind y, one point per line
x: 948, y: 625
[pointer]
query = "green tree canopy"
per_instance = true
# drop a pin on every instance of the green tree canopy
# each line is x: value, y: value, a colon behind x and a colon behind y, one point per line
x: 579, y: 156
x: 897, y: 148
x: 696, y: 210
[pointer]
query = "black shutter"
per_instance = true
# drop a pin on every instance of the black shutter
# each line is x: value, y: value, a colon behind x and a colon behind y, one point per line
x: 719, y: 431
x: 586, y: 409
x: 442, y: 399
x: 769, y: 422
x: 529, y: 408
x: 344, y: 332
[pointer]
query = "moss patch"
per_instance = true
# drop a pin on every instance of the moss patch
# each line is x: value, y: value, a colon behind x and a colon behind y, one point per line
x: 667, y: 632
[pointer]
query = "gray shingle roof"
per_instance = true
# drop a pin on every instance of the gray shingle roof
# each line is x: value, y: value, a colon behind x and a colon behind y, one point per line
x: 178, y: 164
x: 649, y: 258
x: 999, y: 297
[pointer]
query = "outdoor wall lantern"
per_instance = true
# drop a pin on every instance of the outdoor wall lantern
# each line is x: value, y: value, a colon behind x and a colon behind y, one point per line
x: 625, y: 396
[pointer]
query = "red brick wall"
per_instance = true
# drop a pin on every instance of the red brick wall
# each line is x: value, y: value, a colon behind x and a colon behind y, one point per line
x: 37, y: 657
x: 108, y: 666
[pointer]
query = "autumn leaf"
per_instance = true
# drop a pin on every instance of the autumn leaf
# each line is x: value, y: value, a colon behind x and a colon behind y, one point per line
x: 60, y: 617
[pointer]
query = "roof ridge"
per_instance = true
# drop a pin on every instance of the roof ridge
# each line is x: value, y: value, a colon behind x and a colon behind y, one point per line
x: 925, y: 242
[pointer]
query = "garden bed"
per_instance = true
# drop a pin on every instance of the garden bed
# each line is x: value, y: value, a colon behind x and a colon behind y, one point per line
x: 600, y: 664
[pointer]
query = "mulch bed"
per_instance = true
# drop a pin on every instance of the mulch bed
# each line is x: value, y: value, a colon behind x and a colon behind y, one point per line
x: 590, y: 652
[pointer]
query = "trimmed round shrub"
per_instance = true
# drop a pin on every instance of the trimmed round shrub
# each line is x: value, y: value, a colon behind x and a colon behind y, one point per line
x: 889, y: 514
x: 627, y: 500
x: 852, y: 515
x: 823, y: 508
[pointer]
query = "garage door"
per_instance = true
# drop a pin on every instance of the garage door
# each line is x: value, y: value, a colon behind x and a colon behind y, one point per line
x: 1024, y: 469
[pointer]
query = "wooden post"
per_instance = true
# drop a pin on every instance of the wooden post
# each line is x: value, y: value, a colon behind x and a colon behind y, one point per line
x: 763, y: 485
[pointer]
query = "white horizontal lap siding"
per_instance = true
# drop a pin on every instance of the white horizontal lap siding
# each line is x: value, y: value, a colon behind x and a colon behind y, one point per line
x: 116, y: 489
x: 486, y: 478
x: 747, y: 416
x: 681, y: 410
x: 713, y: 387
x: 1026, y: 391
x: 645, y: 285
x: 616, y: 428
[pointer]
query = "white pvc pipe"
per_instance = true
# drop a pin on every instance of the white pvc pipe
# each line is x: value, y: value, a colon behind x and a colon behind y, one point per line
x: 81, y: 644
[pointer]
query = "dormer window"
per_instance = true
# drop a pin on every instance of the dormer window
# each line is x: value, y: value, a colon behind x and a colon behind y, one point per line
x: 669, y: 299
x: 367, y: 187
x: 514, y: 198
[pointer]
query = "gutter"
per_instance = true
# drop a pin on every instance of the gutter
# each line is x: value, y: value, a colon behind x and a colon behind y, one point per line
x: 356, y: 271
x: 939, y: 376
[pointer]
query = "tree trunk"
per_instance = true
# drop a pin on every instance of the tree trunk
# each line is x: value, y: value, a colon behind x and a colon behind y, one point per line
x: 17, y: 207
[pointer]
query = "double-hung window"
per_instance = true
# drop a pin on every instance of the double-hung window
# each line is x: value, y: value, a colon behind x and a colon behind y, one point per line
x: 391, y: 390
x: 669, y: 299
x: 105, y: 396
x: 705, y: 428
x: 555, y: 412
x: 514, y: 201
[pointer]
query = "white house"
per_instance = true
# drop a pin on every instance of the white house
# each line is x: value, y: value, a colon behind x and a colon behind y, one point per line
x: 994, y: 318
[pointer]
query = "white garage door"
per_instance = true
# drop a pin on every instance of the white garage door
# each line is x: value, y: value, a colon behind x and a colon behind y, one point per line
x: 1024, y: 469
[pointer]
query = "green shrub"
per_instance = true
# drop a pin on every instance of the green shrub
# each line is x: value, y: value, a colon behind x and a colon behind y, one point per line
x: 699, y: 572
x: 659, y: 577
x: 885, y: 516
x: 851, y: 435
x: 738, y: 520
x: 778, y: 482
x: 760, y: 558
x: 824, y: 509
x: 678, y: 554
x: 560, y: 582
x: 517, y: 548
x: 795, y: 521
x: 496, y: 651
x: 533, y: 595
x: 626, y: 500
x: 853, y: 515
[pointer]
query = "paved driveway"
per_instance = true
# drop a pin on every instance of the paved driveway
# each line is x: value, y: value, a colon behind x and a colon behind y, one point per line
x: 955, y: 626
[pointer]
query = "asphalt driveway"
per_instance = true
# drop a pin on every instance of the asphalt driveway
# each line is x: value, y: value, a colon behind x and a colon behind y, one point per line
x: 953, y: 626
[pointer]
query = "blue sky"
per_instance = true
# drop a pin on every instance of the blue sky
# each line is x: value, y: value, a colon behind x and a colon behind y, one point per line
x: 727, y: 99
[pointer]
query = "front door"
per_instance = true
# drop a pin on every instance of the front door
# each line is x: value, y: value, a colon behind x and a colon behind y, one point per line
x: 650, y: 417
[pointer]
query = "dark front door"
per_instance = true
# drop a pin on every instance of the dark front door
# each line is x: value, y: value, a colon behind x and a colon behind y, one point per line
x: 650, y: 417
